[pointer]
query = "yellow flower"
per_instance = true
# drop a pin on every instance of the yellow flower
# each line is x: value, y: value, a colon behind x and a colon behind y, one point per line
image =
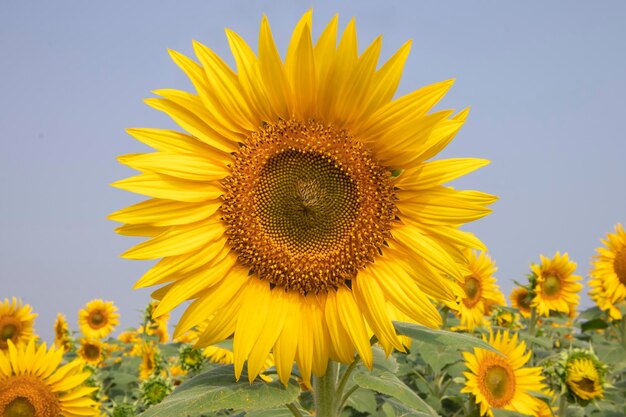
x: 149, y: 361
x: 521, y: 299
x: 157, y: 325
x: 501, y: 381
x: 583, y: 379
x: 608, y: 274
x: 299, y: 211
x: 33, y: 384
x: 557, y: 287
x: 62, y: 337
x: 479, y: 290
x: 91, y: 351
x: 98, y: 319
x: 129, y: 337
x: 16, y: 322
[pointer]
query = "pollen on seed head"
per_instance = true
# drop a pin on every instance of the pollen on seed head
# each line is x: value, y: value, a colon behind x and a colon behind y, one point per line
x: 306, y: 206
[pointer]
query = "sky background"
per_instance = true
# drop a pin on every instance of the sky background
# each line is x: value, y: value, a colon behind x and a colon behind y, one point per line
x: 546, y: 82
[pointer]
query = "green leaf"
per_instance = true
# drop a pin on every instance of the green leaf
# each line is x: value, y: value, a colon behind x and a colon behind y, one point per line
x: 363, y: 401
x: 389, y: 384
x: 438, y: 357
x: 403, y: 411
x: 275, y: 412
x: 441, y: 337
x: 594, y: 324
x: 217, y: 389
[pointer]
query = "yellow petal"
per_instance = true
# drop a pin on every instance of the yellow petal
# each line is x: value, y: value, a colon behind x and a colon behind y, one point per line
x: 169, y: 188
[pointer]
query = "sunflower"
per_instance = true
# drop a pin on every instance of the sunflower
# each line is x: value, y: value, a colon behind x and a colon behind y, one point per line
x: 91, y: 351
x: 150, y: 361
x: 556, y: 288
x: 16, y: 322
x: 608, y: 273
x: 584, y: 379
x: 479, y: 290
x: 521, y: 299
x: 501, y: 381
x: 98, y: 319
x: 33, y: 384
x: 62, y: 337
x: 299, y: 210
x: 156, y: 325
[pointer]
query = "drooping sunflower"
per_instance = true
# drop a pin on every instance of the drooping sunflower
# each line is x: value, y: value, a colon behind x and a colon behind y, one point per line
x: 33, y: 384
x: 502, y: 381
x: 521, y: 299
x: 299, y: 211
x: 150, y: 361
x: 557, y: 287
x: 608, y: 273
x: 479, y: 290
x: 98, y: 319
x: 62, y: 336
x: 583, y: 379
x: 16, y: 322
x: 91, y: 351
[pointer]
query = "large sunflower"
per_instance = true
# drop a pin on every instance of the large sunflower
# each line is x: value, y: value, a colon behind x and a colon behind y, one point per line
x: 33, y: 384
x: 299, y: 212
x: 479, y: 290
x: 98, y: 319
x: 608, y: 274
x: 557, y: 287
x: 16, y: 322
x: 501, y: 381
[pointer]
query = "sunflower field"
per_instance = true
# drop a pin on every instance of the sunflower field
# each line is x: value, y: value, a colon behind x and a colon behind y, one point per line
x: 300, y: 219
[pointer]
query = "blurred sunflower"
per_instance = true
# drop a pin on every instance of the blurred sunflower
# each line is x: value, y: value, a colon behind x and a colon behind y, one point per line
x: 479, y: 290
x: 521, y: 299
x: 98, y: 319
x: 129, y: 337
x: 33, y: 384
x: 150, y: 361
x: 584, y: 378
x: 16, y: 322
x: 156, y: 325
x: 557, y: 287
x: 299, y: 212
x: 501, y: 381
x: 608, y: 273
x: 62, y: 336
x: 91, y: 351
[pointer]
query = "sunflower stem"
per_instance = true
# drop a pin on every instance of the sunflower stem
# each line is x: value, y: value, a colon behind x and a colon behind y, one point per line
x: 623, y: 331
x: 532, y: 329
x: 324, y: 391
x: 563, y: 405
x: 344, y: 379
x: 294, y: 410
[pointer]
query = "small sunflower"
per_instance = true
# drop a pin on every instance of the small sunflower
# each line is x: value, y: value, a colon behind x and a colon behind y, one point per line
x: 300, y: 210
x: 62, y: 336
x: 584, y: 379
x: 557, y: 287
x: 501, y: 381
x: 479, y: 290
x: 16, y: 322
x: 156, y: 325
x: 521, y: 299
x: 33, y: 384
x: 608, y: 273
x: 98, y: 319
x: 91, y: 351
x: 129, y: 337
x: 150, y: 361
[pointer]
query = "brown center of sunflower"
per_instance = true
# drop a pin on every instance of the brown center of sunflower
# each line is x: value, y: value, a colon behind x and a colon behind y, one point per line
x: 92, y: 352
x: 523, y: 300
x: 551, y: 286
x: 473, y: 291
x: 306, y: 206
x: 619, y: 265
x: 585, y: 384
x: 97, y: 319
x: 499, y: 384
x: 27, y: 396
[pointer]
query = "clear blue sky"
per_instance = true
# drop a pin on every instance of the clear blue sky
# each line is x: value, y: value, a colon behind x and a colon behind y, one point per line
x: 546, y: 82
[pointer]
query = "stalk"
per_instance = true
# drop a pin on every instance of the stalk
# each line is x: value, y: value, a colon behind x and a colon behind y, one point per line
x: 325, y: 391
x: 563, y: 405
